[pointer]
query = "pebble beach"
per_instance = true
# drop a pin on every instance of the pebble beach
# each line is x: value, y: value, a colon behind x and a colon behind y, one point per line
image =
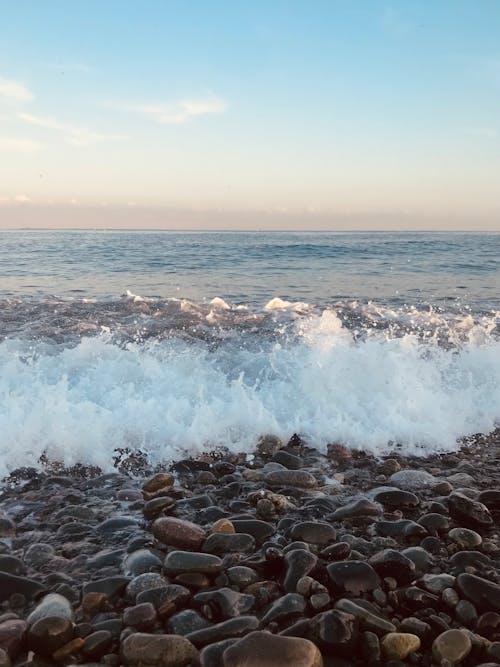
x: 287, y: 556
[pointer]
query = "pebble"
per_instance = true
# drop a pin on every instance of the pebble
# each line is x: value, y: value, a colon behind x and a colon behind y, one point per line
x: 452, y: 645
x: 465, y: 538
x: 178, y: 533
x: 399, y: 645
x: 146, y: 650
x: 262, y: 649
x: 413, y: 480
x: 294, y: 478
x: 353, y: 577
x: 178, y: 562
x: 469, y: 511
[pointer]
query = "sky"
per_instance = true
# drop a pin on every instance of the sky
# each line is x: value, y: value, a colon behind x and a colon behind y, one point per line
x: 261, y: 114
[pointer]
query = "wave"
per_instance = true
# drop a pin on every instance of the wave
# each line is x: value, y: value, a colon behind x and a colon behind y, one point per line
x: 314, y: 372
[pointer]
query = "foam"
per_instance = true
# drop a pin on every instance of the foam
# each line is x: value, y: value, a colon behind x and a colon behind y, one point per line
x: 171, y: 397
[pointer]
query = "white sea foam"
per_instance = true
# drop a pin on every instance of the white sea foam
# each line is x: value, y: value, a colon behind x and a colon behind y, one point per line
x: 167, y: 398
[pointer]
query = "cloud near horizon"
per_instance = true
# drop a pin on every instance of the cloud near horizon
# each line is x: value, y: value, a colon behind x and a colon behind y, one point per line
x: 13, y: 90
x: 179, y: 112
x: 74, y: 135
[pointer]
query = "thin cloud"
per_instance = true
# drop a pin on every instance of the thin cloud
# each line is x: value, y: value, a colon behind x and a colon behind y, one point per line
x: 74, y: 135
x: 179, y: 112
x: 13, y: 90
x: 20, y: 144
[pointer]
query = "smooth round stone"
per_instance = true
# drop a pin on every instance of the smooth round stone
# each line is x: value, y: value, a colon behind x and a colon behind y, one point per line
x: 437, y: 583
x: 468, y: 511
x: 262, y: 649
x: 142, y: 616
x: 37, y: 554
x: 465, y: 538
x: 396, y: 498
x: 145, y: 650
x: 178, y: 533
x: 97, y: 644
x: 51, y: 605
x: 466, y: 614
x: 171, y: 593
x: 461, y: 479
x: 157, y: 506
x: 157, y: 482
x: 314, y: 532
x: 337, y: 551
x: 286, y: 607
x: 222, y: 526
x: 226, y: 603
x: 462, y: 560
x: 391, y: 563
x: 288, y: 460
x: 422, y: 558
x: 401, y: 529
x: 399, y: 645
x: 111, y: 586
x: 355, y: 577
x: 178, y: 562
x: 356, y: 508
x: 223, y: 543
x: 49, y: 633
x: 334, y: 632
x: 413, y: 480
x: 481, y: 592
x: 145, y: 582
x: 452, y: 645
x: 186, y: 621
x: 141, y: 561
x: 295, y: 478
x: 242, y: 576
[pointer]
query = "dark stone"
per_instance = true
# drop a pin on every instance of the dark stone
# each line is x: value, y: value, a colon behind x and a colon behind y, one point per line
x: 357, y: 508
x: 234, y: 627
x: 355, y: 577
x: 111, y: 586
x: 287, y: 607
x: 226, y: 603
x: 396, y: 498
x: 211, y: 656
x: 178, y: 562
x: 484, y: 594
x: 141, y: 561
x: 260, y: 530
x: 293, y: 478
x: 223, y: 543
x: 338, y: 551
x: 335, y: 632
x: 185, y: 622
x: 11, y: 565
x: 48, y: 634
x: 391, y: 563
x: 314, y: 532
x: 174, y: 593
x: 299, y: 563
x: 288, y: 460
x: 468, y: 511
x: 97, y: 644
x: 142, y: 616
x: 491, y: 499
x: 402, y: 529
x: 11, y: 583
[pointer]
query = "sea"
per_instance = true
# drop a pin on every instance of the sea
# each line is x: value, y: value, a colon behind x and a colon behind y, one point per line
x: 178, y: 343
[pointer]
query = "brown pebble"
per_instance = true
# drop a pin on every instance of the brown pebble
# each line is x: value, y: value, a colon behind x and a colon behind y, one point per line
x: 222, y: 526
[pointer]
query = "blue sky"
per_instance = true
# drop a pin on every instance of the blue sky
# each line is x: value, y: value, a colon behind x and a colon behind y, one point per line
x: 307, y: 112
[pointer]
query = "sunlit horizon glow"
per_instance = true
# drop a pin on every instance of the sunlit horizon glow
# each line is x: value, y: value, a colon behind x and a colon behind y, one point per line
x: 328, y: 114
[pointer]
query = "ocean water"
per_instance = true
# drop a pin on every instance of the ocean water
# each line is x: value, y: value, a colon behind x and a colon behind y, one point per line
x: 175, y: 343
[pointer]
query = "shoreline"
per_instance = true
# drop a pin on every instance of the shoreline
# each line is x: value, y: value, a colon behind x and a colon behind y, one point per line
x: 333, y: 560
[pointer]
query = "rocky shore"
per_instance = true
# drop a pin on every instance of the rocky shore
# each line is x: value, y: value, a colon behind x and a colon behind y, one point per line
x: 286, y: 558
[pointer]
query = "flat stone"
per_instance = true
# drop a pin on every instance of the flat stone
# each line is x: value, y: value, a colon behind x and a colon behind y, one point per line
x: 413, y: 480
x: 396, y: 498
x: 178, y: 533
x: 111, y: 586
x: 289, y: 606
x: 401, y: 529
x: 146, y: 650
x: 314, y: 532
x: 260, y: 530
x: 178, y: 562
x: 226, y: 603
x: 295, y: 478
x: 52, y: 604
x: 351, y: 576
x: 452, y: 645
x: 399, y: 645
x: 141, y: 561
x: 262, y: 649
x: 141, y: 616
x: 186, y: 621
x: 356, y: 508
